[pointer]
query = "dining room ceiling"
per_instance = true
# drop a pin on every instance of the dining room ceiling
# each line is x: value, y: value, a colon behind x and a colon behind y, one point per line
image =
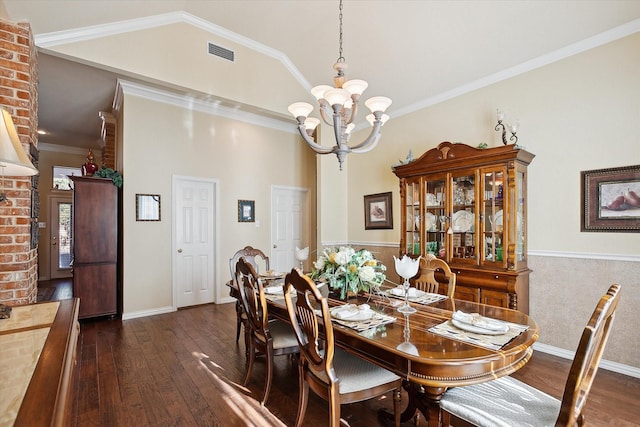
x: 416, y: 52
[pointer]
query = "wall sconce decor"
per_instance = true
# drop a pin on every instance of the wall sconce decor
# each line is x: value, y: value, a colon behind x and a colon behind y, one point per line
x: 513, y: 128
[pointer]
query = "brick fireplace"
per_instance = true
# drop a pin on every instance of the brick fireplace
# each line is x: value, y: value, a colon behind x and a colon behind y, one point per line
x: 18, y: 214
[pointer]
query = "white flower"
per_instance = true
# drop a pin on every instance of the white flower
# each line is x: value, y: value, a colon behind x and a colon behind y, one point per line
x: 347, y: 270
x: 343, y: 257
x: 367, y: 274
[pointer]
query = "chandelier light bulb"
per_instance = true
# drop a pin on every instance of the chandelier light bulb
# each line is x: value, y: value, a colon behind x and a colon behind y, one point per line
x: 311, y: 123
x: 378, y: 103
x: 336, y: 96
x: 300, y: 109
x: 355, y: 87
x: 319, y: 91
x: 371, y: 118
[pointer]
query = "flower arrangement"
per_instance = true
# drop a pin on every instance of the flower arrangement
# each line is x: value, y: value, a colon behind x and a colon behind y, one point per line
x: 348, y: 271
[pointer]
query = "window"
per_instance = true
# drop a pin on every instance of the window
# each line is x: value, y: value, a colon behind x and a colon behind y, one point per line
x: 61, y: 176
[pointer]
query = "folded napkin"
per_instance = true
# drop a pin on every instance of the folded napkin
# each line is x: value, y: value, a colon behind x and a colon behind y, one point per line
x: 347, y: 311
x: 475, y: 319
x: 399, y: 291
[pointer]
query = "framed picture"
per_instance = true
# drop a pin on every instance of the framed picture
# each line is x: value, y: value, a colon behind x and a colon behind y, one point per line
x: 611, y: 200
x: 147, y: 207
x: 246, y: 211
x: 378, y: 212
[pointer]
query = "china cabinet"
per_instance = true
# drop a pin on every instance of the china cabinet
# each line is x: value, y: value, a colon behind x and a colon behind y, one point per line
x: 468, y: 206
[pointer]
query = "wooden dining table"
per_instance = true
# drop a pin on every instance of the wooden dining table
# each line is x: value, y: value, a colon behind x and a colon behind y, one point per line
x: 425, y: 349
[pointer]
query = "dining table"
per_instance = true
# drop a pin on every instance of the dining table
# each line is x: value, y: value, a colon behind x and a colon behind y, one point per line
x: 443, y: 344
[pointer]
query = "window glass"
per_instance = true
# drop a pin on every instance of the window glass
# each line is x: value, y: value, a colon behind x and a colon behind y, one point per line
x: 61, y: 176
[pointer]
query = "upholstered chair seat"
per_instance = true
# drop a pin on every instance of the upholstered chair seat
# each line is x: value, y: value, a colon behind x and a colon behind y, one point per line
x: 505, y: 402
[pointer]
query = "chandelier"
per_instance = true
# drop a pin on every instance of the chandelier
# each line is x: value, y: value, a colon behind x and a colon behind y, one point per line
x: 338, y: 107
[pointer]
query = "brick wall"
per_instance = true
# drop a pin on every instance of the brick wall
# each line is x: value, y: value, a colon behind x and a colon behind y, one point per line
x: 19, y: 96
x: 108, y: 135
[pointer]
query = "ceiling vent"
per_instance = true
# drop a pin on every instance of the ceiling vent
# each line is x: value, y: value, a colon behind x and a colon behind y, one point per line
x: 221, y: 52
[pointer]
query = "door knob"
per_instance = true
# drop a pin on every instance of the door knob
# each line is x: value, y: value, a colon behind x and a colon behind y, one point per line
x: 275, y: 246
x: 179, y: 251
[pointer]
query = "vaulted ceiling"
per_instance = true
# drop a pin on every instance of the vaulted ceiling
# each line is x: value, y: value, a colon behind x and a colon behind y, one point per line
x: 416, y: 52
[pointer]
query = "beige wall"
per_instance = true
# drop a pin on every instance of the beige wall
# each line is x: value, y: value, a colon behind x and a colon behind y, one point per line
x: 160, y: 141
x: 577, y: 114
x: 49, y: 159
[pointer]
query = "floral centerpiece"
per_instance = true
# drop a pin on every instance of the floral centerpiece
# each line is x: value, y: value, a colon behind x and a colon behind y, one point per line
x: 348, y: 271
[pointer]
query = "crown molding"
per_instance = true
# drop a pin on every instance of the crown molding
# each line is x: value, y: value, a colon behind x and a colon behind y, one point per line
x: 212, y: 107
x: 43, y: 146
x: 48, y: 40
x: 609, y: 36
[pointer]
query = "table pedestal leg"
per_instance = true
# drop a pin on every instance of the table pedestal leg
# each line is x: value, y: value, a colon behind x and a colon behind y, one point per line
x: 423, y: 399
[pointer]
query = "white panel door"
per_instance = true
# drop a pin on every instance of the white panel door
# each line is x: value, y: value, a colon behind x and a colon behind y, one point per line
x: 194, y: 209
x: 288, y: 226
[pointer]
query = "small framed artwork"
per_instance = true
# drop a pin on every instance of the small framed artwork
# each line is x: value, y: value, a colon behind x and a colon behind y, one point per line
x: 246, y: 211
x: 147, y: 207
x: 611, y: 200
x: 378, y: 212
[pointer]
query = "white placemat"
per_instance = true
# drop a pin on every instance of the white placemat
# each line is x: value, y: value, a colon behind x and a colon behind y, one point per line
x: 492, y: 342
x: 425, y: 299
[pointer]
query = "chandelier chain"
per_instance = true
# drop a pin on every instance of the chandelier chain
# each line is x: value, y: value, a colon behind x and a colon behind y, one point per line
x: 340, y: 57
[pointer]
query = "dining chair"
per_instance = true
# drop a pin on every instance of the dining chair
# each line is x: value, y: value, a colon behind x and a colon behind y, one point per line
x: 509, y: 402
x: 255, y: 257
x: 268, y: 337
x: 426, y: 281
x: 333, y: 374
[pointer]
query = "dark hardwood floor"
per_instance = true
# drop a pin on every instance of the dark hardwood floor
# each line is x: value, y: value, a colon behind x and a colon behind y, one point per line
x: 185, y: 368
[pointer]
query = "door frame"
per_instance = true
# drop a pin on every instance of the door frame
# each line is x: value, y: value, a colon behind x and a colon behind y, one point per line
x: 53, y: 200
x: 216, y: 237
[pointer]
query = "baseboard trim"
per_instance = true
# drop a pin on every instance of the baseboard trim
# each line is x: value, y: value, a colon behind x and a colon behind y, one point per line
x: 145, y: 313
x: 226, y: 300
x: 604, y: 364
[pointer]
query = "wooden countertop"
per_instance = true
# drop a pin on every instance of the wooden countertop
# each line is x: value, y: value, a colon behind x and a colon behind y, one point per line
x: 37, y: 354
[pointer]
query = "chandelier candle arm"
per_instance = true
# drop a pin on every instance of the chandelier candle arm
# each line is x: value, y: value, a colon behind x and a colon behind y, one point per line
x: 309, y: 140
x: 371, y: 141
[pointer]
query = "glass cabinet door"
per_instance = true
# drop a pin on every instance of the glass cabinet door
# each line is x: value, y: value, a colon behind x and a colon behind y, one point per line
x: 435, y: 216
x: 493, y: 217
x: 463, y: 218
x: 412, y: 217
x: 521, y: 232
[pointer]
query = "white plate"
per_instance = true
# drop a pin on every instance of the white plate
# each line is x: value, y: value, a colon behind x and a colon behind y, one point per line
x: 497, y: 221
x: 462, y: 221
x: 470, y: 328
x: 430, y: 221
x: 357, y: 317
